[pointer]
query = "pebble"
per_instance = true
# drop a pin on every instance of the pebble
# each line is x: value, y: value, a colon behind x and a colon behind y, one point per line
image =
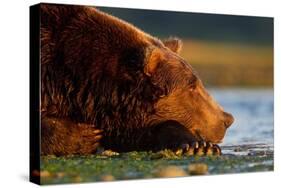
x: 107, y: 177
x: 171, y: 171
x: 198, y: 169
x: 45, y: 174
x: 109, y: 153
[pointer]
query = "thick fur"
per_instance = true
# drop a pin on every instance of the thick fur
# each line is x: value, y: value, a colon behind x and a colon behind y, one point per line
x: 96, y: 73
x: 92, y: 72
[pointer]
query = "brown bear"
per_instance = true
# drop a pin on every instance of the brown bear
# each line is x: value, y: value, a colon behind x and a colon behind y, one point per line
x: 106, y: 83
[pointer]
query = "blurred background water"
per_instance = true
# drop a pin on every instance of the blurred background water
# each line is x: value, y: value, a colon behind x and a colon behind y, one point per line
x: 253, y: 112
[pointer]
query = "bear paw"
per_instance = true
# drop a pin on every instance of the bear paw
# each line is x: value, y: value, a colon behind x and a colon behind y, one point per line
x: 201, y: 148
x: 87, y: 138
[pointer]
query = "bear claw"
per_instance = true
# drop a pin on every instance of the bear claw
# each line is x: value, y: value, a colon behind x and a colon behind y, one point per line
x: 201, y: 148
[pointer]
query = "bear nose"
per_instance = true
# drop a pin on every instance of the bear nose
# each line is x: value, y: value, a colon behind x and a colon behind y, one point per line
x: 228, y: 119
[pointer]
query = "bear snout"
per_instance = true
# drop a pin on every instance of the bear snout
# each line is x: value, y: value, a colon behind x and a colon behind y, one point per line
x: 228, y: 119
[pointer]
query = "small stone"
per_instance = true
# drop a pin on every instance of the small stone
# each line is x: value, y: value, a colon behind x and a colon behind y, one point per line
x: 45, y: 174
x: 109, y: 153
x: 107, y: 177
x: 171, y: 171
x: 198, y: 169
x: 237, y: 149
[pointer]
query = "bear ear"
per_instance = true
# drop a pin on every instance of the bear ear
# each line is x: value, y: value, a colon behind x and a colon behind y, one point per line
x: 174, y: 44
x: 153, y: 57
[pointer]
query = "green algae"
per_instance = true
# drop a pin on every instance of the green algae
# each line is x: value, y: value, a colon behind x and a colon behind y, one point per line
x: 139, y: 165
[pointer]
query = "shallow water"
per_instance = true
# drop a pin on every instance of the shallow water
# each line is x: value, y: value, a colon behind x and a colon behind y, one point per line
x: 253, y: 112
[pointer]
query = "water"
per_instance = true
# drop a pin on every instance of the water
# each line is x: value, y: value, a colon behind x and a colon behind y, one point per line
x: 253, y: 112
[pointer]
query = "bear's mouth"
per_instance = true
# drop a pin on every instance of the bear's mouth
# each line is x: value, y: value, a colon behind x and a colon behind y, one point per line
x: 203, y: 138
x: 174, y: 131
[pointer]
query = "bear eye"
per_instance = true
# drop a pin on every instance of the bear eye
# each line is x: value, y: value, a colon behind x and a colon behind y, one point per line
x: 192, y: 87
x: 192, y: 83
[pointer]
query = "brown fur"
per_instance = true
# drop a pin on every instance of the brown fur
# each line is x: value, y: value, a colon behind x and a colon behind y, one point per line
x: 101, y: 73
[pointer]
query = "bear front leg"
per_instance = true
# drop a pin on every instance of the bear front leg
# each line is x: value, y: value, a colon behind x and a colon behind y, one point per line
x: 63, y: 137
x: 171, y: 135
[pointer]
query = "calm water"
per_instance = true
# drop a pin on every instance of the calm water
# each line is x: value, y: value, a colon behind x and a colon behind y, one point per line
x: 253, y: 113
